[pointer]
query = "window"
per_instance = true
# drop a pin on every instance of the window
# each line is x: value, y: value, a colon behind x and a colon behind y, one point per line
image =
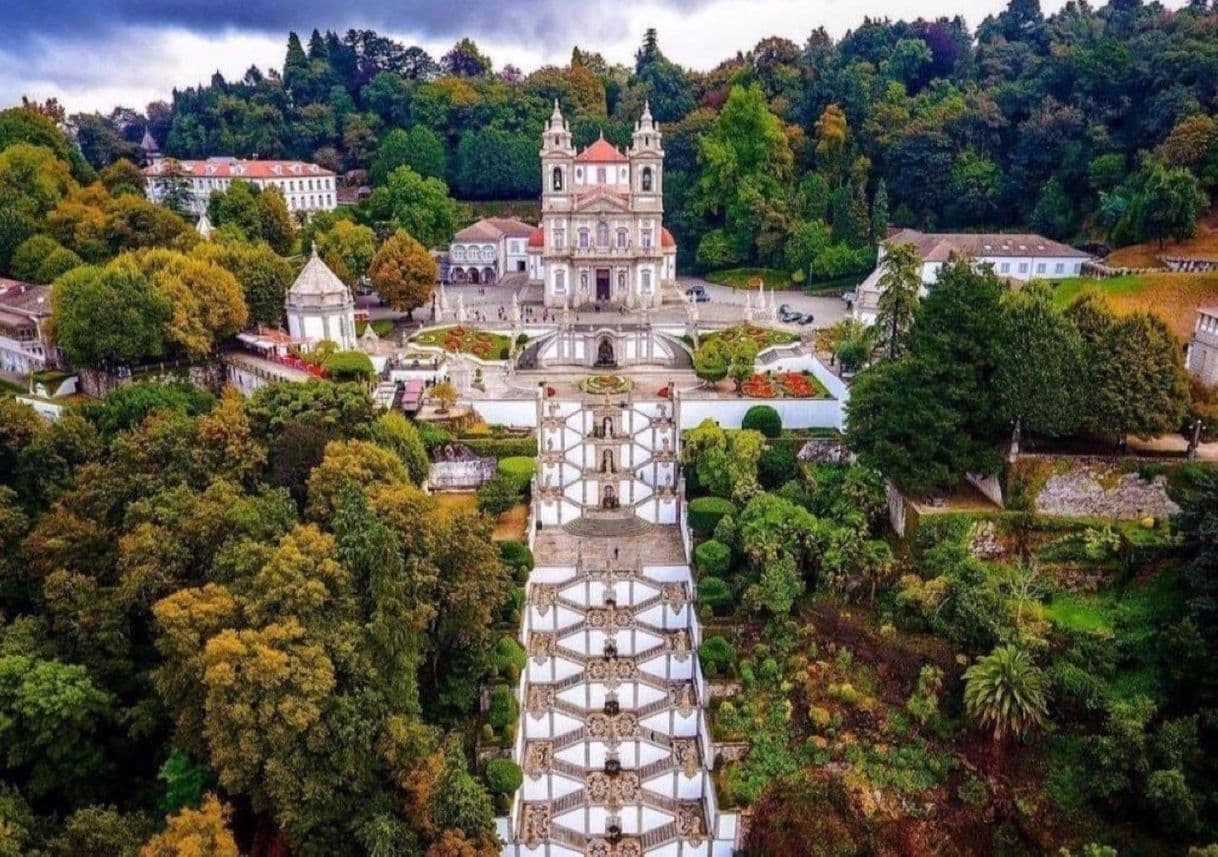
x: 646, y: 239
x: 621, y: 239
x: 560, y: 239
x: 601, y: 178
x: 1005, y: 268
x: 560, y: 282
x: 556, y: 179
x: 1040, y: 267
x: 647, y: 179
x: 602, y: 234
x: 583, y: 239
x: 1059, y: 268
x: 646, y: 282
x: 1023, y: 267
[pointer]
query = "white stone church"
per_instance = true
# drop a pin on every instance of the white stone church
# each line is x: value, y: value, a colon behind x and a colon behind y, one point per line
x: 602, y: 237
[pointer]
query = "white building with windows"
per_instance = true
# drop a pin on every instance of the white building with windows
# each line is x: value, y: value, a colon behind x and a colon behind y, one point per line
x: 1203, y: 347
x: 602, y: 237
x: 319, y: 306
x: 26, y: 344
x: 307, y: 188
x: 1014, y: 257
x: 487, y: 251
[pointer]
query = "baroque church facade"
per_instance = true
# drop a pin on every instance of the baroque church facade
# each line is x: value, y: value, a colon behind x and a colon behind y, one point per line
x: 602, y: 238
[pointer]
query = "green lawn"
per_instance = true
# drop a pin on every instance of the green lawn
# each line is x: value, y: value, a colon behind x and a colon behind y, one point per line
x: 1172, y: 297
x: 1067, y: 290
x: 1076, y: 612
x: 8, y: 388
x: 467, y: 340
x: 382, y: 327
x: 738, y: 278
x: 1134, y: 610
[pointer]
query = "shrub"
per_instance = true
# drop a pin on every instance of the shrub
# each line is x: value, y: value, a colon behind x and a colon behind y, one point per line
x: 434, y: 436
x: 503, y: 776
x: 725, y: 531
x: 776, y: 466
x: 488, y: 733
x: 717, y: 655
x: 502, y: 447
x: 57, y: 263
x: 715, y: 594
x: 508, y: 654
x: 764, y: 419
x: 497, y: 496
x: 518, y: 469
x: 502, y: 710
x: 713, y: 557
x: 706, y: 512
x: 516, y: 555
x: 348, y: 366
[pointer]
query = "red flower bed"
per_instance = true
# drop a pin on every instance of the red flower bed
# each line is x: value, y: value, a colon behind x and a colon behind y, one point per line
x: 785, y: 385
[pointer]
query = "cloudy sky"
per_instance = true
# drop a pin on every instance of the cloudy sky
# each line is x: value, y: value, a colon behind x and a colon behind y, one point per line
x: 95, y: 54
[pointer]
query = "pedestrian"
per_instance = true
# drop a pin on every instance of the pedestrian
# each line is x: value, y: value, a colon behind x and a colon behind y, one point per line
x: 615, y: 554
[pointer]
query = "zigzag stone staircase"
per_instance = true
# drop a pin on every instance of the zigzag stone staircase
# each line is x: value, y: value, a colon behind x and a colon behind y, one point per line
x: 613, y: 738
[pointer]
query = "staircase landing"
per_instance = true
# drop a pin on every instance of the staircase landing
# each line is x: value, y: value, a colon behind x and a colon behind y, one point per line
x: 608, y: 527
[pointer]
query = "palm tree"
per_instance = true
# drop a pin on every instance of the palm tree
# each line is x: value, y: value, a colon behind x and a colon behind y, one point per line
x: 1006, y: 691
x: 900, y: 281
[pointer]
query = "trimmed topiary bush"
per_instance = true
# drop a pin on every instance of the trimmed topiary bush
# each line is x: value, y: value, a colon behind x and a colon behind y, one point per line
x: 502, y: 711
x: 519, y: 470
x: 764, y: 419
x: 705, y: 512
x: 776, y: 466
x: 503, y: 776
x: 516, y: 555
x: 713, y: 558
x: 508, y: 654
x: 718, y: 656
x: 715, y: 594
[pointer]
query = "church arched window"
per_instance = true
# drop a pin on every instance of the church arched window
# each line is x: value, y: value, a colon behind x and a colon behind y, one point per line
x: 602, y: 234
x: 647, y: 178
x: 556, y: 179
x: 583, y: 238
x: 622, y: 238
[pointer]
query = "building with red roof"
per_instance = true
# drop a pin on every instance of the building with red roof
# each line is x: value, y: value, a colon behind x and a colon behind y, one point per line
x: 602, y: 238
x: 487, y: 250
x: 307, y: 188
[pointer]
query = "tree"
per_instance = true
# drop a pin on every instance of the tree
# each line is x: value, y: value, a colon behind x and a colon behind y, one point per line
x: 778, y: 587
x: 355, y: 366
x: 444, y: 395
x: 465, y: 60
x: 403, y: 272
x: 129, y: 405
x: 1045, y: 393
x: 745, y: 163
x: 264, y: 275
x: 32, y: 179
x: 764, y: 419
x: 1138, y: 384
x: 421, y: 207
x: 237, y: 207
x: 108, y: 317
x: 348, y: 249
x: 98, y: 831
x: 900, y: 283
x: 354, y: 463
x: 274, y: 220
x: 420, y: 148
x: 1004, y: 691
x: 725, y: 461
x: 1168, y: 205
x: 710, y: 363
x: 206, y: 300
x: 50, y: 714
x: 400, y: 436
x: 202, y: 832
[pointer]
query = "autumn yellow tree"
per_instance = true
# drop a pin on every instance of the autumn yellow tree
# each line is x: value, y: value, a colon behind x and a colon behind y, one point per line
x: 199, y: 832
x: 403, y: 272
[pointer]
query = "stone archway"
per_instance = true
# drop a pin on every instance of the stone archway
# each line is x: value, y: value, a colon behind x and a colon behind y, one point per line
x: 474, y: 276
x: 488, y: 275
x: 459, y: 276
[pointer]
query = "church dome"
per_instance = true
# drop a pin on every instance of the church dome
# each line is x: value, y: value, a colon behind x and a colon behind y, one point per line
x: 317, y: 286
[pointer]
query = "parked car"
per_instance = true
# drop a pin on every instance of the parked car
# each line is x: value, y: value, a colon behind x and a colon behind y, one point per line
x: 699, y: 294
x: 790, y: 315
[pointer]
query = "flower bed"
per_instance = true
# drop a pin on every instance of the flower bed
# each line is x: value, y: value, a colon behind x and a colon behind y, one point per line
x: 606, y: 385
x: 466, y: 340
x: 784, y: 385
x: 762, y: 337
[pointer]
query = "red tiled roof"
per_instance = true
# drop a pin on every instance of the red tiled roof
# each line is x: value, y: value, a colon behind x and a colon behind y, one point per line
x: 666, y: 239
x: 601, y: 152
x: 235, y: 168
x: 537, y: 238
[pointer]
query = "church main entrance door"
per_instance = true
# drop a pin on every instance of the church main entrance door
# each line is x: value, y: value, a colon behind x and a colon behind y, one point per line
x: 602, y: 284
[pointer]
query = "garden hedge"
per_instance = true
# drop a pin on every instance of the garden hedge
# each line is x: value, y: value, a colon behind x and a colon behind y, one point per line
x: 503, y: 707
x: 501, y: 447
x: 717, y: 656
x: 509, y: 653
x: 713, y: 558
x: 516, y: 555
x: 519, y: 470
x: 705, y: 512
x: 777, y: 465
x: 715, y: 594
x: 503, y: 776
x: 764, y: 419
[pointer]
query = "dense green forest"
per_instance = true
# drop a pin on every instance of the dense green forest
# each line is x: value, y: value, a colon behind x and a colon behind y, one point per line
x: 1090, y: 123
